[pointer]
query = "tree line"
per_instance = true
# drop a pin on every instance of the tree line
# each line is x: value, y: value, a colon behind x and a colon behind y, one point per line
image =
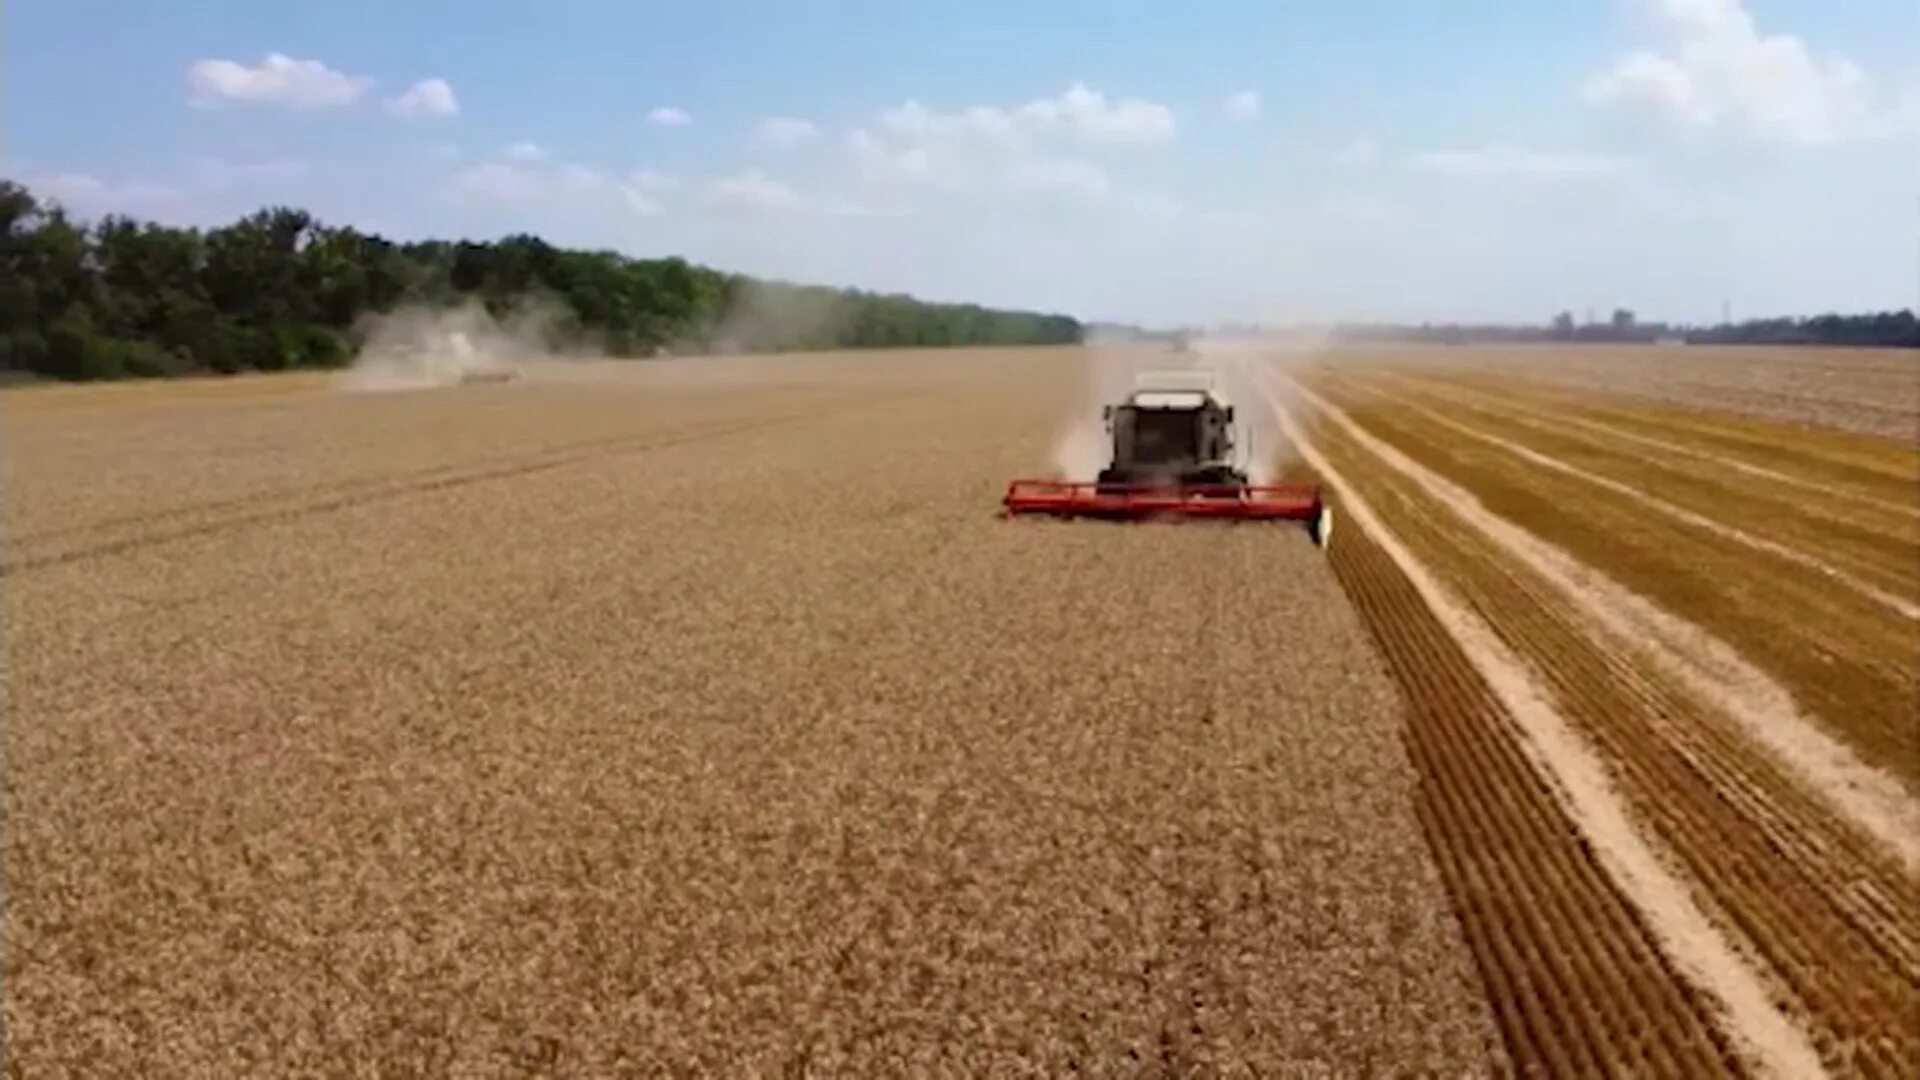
x: 1895, y: 329
x: 279, y: 289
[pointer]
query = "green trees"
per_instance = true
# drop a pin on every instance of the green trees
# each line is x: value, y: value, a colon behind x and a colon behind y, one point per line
x: 278, y: 289
x: 1897, y: 329
x: 1880, y: 328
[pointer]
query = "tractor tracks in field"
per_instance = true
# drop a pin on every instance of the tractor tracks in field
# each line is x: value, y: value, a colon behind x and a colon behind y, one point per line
x: 1810, y: 490
x: 1577, y: 982
x: 1893, y: 603
x: 121, y: 535
x: 1892, y: 420
x: 1869, y: 547
x: 1819, y: 907
x: 1685, y: 654
x: 1808, y: 884
x: 1576, y: 977
x: 1841, y: 458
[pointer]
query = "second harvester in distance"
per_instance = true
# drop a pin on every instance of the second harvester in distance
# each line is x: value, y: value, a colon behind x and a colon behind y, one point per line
x: 1173, y: 451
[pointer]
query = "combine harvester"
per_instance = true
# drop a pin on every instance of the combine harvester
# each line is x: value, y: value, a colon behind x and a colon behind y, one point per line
x: 1172, y: 458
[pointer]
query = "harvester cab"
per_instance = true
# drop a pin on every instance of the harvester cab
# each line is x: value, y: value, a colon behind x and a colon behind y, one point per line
x: 1171, y: 435
x: 1173, y: 442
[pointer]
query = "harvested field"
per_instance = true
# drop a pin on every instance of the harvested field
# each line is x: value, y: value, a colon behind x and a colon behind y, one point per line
x: 1577, y: 980
x: 1722, y: 609
x: 1869, y: 391
x: 702, y: 716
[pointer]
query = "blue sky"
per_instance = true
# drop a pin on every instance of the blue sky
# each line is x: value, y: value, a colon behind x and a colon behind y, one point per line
x: 1156, y: 161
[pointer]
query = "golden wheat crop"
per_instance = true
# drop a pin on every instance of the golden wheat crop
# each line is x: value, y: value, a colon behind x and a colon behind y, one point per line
x: 1867, y: 391
x: 1724, y: 610
x: 697, y: 715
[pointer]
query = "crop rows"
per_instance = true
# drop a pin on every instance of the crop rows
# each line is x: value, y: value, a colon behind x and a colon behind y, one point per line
x: 1830, y: 913
x: 1865, y: 521
x: 1840, y: 652
x: 1577, y: 984
x: 702, y: 716
x: 1870, y: 391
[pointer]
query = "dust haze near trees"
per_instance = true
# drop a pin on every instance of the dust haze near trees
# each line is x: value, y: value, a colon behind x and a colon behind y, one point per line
x: 279, y: 289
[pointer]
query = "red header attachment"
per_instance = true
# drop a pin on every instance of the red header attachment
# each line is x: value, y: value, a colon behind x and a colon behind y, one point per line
x: 1063, y: 498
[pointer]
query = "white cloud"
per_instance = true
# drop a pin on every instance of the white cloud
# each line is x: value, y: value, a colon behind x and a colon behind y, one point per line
x: 850, y: 209
x: 753, y: 191
x: 786, y: 132
x: 501, y: 182
x: 1649, y: 79
x: 425, y: 98
x: 993, y: 148
x: 1089, y: 114
x: 973, y: 177
x: 1720, y: 67
x: 910, y: 118
x: 579, y: 180
x: 640, y: 202
x: 668, y: 116
x: 652, y: 182
x: 883, y: 163
x: 1244, y: 105
x: 535, y: 181
x: 914, y: 121
x: 574, y: 179
x: 277, y: 80
x: 1079, y: 112
x: 1509, y: 161
x: 1045, y: 153
x: 89, y: 196
x: 67, y: 186
x: 1157, y: 206
x: 1066, y: 176
x: 1361, y: 151
x: 220, y: 174
x: 527, y: 151
x: 1358, y: 208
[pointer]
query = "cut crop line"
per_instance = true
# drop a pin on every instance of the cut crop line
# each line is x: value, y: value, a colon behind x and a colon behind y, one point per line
x: 1522, y: 879
x: 426, y: 483
x: 375, y: 485
x: 1494, y: 402
x: 1871, y: 798
x: 1904, y: 608
x: 1802, y: 397
x: 1731, y: 424
x: 1767, y: 1037
x: 1874, y: 530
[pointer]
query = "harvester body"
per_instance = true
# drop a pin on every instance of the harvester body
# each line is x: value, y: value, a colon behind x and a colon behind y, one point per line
x: 1173, y: 455
x: 1165, y: 437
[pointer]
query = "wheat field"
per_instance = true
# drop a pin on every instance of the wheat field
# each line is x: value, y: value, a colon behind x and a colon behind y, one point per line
x: 705, y: 716
x: 1696, y: 615
x: 695, y: 716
